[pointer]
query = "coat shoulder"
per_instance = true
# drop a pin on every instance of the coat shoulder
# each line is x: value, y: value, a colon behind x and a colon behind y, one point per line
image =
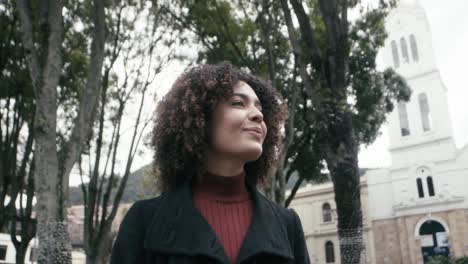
x: 286, y: 214
x: 141, y: 212
x: 292, y: 223
x: 128, y: 245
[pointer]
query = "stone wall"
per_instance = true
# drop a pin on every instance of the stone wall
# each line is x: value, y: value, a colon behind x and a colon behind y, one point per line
x: 396, y: 240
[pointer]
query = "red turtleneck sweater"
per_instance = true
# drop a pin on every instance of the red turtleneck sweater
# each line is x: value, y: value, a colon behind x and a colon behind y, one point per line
x: 226, y: 205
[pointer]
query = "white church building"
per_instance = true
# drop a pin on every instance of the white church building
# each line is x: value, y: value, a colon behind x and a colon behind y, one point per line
x: 418, y: 207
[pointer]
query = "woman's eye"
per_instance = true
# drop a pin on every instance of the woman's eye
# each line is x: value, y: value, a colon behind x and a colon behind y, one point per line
x: 240, y: 103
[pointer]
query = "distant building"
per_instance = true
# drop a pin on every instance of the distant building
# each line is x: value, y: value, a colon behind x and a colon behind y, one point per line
x: 8, y: 251
x: 418, y: 207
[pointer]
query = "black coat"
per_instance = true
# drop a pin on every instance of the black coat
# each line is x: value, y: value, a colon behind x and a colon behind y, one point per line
x: 169, y: 229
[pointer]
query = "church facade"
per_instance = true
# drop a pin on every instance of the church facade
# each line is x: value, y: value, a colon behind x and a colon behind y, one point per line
x: 418, y: 207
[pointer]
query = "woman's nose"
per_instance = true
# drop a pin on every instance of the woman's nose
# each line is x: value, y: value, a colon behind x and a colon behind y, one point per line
x: 256, y: 115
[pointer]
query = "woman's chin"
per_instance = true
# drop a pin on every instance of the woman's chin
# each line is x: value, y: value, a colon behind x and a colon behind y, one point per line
x: 253, y: 154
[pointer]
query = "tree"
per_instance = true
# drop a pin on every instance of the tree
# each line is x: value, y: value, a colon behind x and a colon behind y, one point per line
x: 17, y: 115
x: 138, y: 51
x: 349, y: 97
x: 17, y: 167
x: 16, y: 103
x: 16, y: 136
x: 42, y: 34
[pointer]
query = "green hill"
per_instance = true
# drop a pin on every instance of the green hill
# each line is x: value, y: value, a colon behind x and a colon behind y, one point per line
x: 135, y: 189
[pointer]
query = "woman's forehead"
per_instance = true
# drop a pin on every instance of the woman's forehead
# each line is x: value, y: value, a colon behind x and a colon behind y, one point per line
x: 244, y: 89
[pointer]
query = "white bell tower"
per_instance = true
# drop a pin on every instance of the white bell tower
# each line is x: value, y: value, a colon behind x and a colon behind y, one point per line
x: 421, y: 129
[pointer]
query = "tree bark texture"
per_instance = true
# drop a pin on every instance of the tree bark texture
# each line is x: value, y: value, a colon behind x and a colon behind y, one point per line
x: 101, y: 253
x: 343, y: 165
x: 54, y: 242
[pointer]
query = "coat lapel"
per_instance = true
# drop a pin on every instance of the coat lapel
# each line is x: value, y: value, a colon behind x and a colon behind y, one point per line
x: 267, y: 233
x: 179, y: 228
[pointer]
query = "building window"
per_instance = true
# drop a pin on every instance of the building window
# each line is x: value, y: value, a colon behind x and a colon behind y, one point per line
x: 404, y: 50
x: 430, y: 186
x: 329, y: 252
x: 420, y: 188
x: 425, y: 112
x: 396, y: 58
x: 3, y: 252
x: 404, y: 123
x: 326, y: 212
x: 414, y: 48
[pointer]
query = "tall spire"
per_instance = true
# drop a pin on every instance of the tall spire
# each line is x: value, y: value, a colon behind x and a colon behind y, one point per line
x: 420, y: 128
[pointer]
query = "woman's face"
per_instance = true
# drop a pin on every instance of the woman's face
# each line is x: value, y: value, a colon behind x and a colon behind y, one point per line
x: 238, y: 126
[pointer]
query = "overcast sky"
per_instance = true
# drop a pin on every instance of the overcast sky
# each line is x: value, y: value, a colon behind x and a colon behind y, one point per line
x: 449, y: 27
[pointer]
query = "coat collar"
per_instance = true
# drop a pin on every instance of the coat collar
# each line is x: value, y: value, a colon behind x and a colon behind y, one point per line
x: 179, y: 228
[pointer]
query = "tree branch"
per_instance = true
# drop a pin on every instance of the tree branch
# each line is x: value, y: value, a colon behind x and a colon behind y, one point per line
x: 88, y: 101
x: 307, y: 32
x: 329, y: 10
x: 299, y: 55
x: 344, y: 19
x: 189, y: 27
x: 28, y: 42
x: 228, y: 35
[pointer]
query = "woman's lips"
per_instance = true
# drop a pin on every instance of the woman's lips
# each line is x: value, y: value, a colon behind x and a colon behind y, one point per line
x: 255, y: 131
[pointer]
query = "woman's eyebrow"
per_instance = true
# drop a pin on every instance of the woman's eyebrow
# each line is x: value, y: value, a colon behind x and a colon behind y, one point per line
x: 246, y: 97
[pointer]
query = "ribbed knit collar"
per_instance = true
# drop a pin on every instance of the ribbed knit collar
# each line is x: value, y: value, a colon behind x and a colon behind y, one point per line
x: 222, y: 188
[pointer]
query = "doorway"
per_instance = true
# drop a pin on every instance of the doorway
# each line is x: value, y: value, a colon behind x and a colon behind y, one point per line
x: 434, y: 240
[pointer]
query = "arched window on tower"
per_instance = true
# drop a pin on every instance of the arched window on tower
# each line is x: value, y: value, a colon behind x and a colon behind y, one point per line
x: 396, y: 58
x: 420, y: 187
x: 404, y: 122
x: 414, y: 48
x: 425, y: 112
x: 329, y: 252
x: 430, y: 186
x: 404, y: 50
x: 326, y: 212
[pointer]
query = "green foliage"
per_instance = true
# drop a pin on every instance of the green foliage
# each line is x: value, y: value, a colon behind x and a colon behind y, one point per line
x: 447, y: 260
x: 14, y: 75
x: 16, y: 101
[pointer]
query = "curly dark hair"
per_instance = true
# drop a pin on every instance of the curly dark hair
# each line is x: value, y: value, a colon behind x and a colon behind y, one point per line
x: 183, y: 118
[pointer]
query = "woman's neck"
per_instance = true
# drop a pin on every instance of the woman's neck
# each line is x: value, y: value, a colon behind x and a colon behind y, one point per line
x: 219, y: 187
x: 223, y: 166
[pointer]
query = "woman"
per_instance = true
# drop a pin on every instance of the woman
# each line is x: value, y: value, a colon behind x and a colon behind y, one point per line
x: 216, y: 136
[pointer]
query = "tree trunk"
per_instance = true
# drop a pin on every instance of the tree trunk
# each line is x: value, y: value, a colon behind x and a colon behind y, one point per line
x: 280, y: 185
x: 21, y: 254
x: 100, y: 253
x: 45, y: 66
x: 343, y: 166
x: 45, y: 71
x: 348, y: 203
x: 54, y: 242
